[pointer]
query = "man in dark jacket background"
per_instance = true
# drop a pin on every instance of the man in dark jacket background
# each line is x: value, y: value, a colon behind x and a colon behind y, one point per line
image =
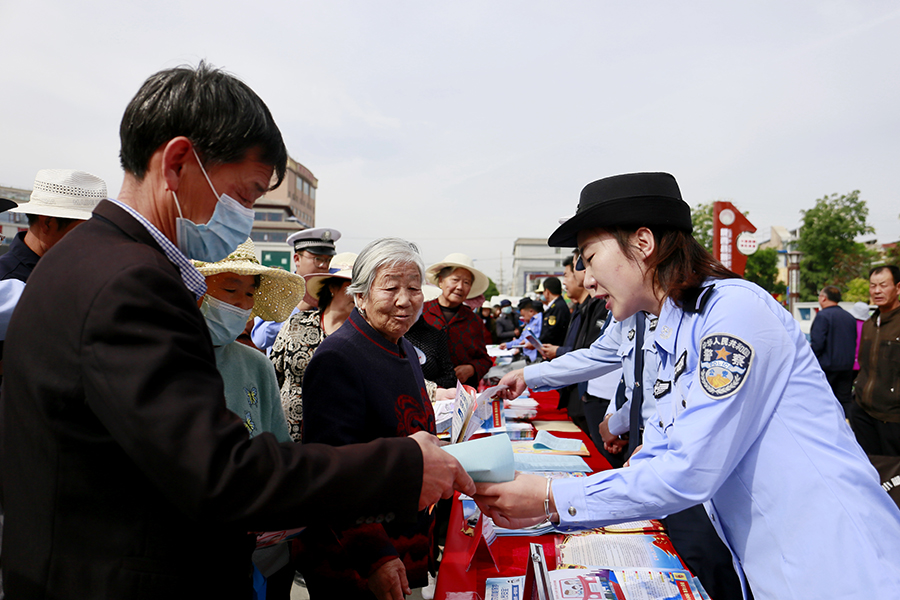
x: 876, y: 416
x: 833, y: 340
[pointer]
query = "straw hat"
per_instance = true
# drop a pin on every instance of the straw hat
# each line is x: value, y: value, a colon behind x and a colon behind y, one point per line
x: 64, y: 193
x: 341, y: 266
x: 279, y: 291
x: 479, y: 280
x: 430, y: 292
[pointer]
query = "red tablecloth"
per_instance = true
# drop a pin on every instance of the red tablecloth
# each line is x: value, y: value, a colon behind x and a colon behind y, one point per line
x: 511, y: 553
x: 547, y: 402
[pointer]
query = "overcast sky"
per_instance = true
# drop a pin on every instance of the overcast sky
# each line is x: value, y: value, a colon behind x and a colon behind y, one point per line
x: 465, y: 125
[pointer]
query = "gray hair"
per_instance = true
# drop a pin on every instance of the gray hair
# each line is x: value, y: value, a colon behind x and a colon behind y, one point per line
x: 380, y: 253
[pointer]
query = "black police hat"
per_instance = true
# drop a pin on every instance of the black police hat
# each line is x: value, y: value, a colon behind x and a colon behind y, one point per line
x: 633, y: 199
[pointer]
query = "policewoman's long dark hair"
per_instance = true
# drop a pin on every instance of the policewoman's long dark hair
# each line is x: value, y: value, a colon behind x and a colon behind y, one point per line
x: 680, y: 264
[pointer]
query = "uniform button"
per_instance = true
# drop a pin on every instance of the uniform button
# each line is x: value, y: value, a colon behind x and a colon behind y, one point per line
x: 712, y: 517
x: 572, y: 511
x: 660, y: 425
x: 684, y: 403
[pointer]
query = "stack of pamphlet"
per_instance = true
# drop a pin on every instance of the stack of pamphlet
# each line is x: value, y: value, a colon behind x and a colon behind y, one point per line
x: 633, y: 566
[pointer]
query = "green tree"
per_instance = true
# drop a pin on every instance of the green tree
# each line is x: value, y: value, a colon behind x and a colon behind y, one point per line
x: 892, y: 255
x: 702, y: 220
x: 762, y: 269
x: 491, y: 290
x: 857, y: 291
x: 831, y: 254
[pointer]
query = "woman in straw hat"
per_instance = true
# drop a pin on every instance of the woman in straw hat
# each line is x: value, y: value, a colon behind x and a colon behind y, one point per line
x: 745, y: 421
x: 364, y: 383
x: 304, y: 331
x: 238, y: 289
x: 459, y: 280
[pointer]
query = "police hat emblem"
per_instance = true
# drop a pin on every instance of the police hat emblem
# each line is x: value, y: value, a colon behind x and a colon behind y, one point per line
x: 725, y: 361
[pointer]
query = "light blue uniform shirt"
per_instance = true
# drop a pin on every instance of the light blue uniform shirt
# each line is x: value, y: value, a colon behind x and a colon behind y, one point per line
x: 10, y: 292
x: 264, y: 333
x: 534, y: 328
x: 611, y: 352
x: 747, y: 421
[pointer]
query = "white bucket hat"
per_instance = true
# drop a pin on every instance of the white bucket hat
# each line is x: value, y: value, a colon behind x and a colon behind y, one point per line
x: 279, y: 291
x: 64, y: 193
x: 480, y: 281
x: 341, y: 266
x: 860, y: 310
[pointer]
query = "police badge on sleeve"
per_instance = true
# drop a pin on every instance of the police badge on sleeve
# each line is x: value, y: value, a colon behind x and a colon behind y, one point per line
x: 724, y: 363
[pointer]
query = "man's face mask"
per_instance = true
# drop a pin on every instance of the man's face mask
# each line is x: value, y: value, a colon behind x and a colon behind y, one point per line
x: 229, y: 225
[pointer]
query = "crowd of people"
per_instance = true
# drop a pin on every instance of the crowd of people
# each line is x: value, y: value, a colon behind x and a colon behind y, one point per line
x: 161, y: 387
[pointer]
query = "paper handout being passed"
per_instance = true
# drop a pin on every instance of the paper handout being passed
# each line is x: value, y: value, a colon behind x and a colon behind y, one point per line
x: 486, y: 459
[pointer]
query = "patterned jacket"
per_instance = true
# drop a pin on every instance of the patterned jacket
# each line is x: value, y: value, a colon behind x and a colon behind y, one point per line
x: 466, y: 338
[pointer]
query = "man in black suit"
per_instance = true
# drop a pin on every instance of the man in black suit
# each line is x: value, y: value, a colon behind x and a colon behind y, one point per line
x: 123, y: 473
x: 556, y: 315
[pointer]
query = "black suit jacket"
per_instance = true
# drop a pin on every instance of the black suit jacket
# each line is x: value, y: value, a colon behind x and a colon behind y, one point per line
x: 556, y: 323
x: 123, y: 473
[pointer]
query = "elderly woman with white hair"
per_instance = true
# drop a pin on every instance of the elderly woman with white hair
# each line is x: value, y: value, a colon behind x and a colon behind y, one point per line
x: 364, y: 383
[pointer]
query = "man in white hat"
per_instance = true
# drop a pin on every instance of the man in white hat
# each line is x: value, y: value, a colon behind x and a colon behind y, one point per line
x: 122, y: 451
x: 62, y: 198
x: 313, y: 251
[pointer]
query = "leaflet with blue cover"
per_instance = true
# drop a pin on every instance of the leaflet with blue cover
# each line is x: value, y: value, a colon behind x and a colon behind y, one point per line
x: 486, y: 459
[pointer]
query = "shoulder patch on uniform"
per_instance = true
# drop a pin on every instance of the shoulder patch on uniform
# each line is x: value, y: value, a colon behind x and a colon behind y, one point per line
x: 680, y: 365
x: 661, y: 388
x: 631, y: 335
x: 551, y: 320
x: 695, y: 299
x: 725, y: 361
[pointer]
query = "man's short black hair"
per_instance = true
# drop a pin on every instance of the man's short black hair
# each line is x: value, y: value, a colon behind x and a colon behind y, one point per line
x: 895, y: 272
x: 569, y: 261
x: 832, y: 293
x: 221, y: 115
x: 552, y: 285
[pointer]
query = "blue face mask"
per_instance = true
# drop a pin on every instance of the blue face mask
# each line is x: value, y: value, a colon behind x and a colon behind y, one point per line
x: 228, y: 227
x: 225, y: 322
x: 506, y: 310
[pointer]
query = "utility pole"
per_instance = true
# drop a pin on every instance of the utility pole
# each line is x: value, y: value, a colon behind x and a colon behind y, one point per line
x: 500, y: 287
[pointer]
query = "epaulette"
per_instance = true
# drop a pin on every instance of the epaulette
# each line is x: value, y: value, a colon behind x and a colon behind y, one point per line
x: 695, y: 299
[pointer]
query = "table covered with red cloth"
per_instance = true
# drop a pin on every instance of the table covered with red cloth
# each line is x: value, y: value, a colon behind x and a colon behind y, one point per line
x: 547, y: 402
x: 510, y: 552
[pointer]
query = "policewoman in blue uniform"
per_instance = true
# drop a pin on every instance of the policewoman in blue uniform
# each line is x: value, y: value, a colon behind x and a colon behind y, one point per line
x: 746, y: 422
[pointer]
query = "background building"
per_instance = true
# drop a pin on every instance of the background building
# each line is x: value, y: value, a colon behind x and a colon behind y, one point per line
x: 12, y: 223
x: 288, y: 208
x: 533, y: 260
